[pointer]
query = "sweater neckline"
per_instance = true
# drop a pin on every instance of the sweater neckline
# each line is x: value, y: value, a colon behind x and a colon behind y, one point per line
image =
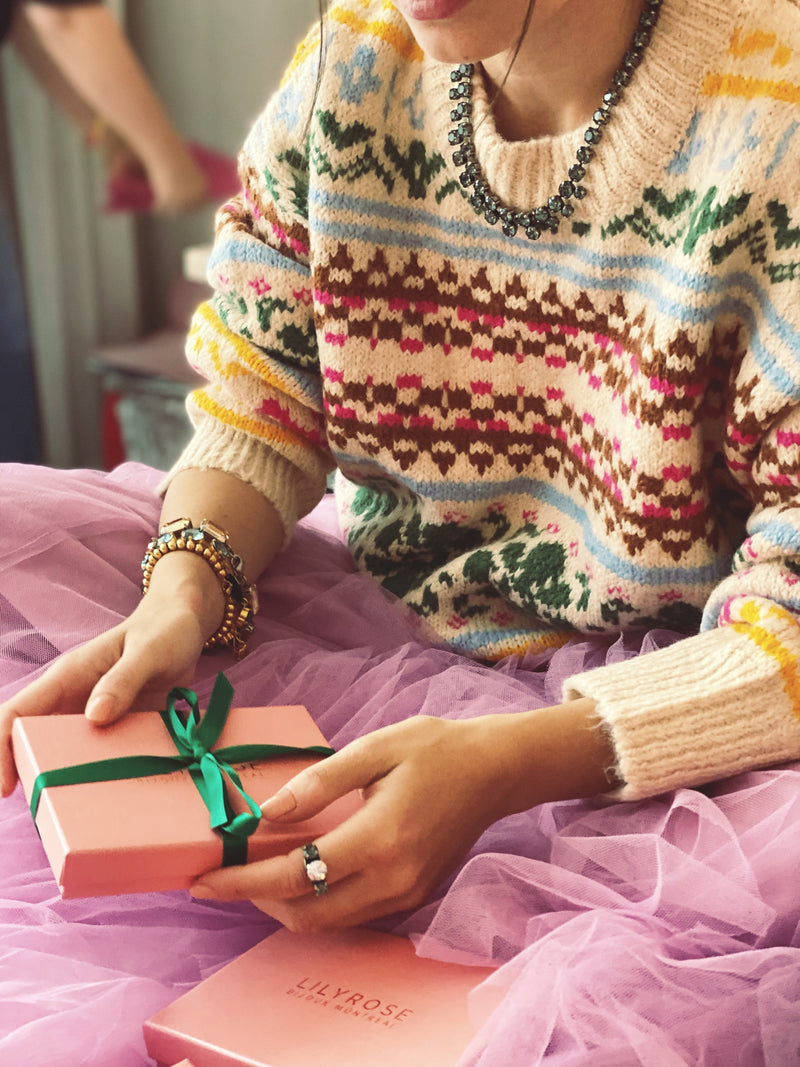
x: 647, y: 129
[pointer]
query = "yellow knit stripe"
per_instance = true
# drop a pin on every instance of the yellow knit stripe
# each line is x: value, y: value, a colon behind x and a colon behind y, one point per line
x: 742, y: 47
x: 244, y: 350
x: 750, y: 88
x: 782, y: 56
x: 200, y: 345
x: 307, y: 47
x: 266, y: 431
x: 381, y: 28
x: 519, y: 646
x: 754, y: 629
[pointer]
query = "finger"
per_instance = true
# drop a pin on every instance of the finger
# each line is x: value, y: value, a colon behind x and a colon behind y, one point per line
x: 356, y: 766
x: 283, y: 877
x: 343, y: 850
x: 352, y: 903
x: 150, y: 663
x: 61, y: 689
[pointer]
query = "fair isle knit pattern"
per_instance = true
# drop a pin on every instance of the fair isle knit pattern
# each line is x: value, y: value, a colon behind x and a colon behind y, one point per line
x: 596, y: 431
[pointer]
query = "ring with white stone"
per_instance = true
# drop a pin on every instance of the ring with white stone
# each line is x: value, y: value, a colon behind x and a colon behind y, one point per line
x: 316, y: 870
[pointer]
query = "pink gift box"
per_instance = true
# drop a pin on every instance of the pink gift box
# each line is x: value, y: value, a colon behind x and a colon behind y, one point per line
x: 153, y: 833
x: 355, y: 998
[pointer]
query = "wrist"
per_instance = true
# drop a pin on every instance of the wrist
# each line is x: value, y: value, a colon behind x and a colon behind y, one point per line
x: 185, y: 580
x: 549, y: 754
x: 210, y: 544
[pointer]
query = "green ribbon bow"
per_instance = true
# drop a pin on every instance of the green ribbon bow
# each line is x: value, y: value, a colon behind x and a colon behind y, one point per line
x: 210, y: 769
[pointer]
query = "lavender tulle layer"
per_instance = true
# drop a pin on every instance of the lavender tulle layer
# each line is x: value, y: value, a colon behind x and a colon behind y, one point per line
x: 657, y: 933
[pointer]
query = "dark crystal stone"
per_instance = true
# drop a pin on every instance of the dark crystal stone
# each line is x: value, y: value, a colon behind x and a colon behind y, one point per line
x: 553, y: 225
x: 601, y: 116
x: 541, y: 214
x: 491, y: 215
x: 459, y: 158
x: 584, y: 154
x: 641, y: 39
x: 611, y: 98
x: 580, y: 192
x: 525, y: 219
x: 622, y: 77
x: 567, y: 210
x: 454, y: 94
x: 455, y: 137
x: 463, y: 89
x: 466, y: 69
x: 456, y: 75
x: 532, y: 233
x: 592, y: 135
x: 466, y: 178
x: 576, y: 172
x: 555, y: 203
x: 509, y: 227
x: 566, y: 189
x: 478, y: 202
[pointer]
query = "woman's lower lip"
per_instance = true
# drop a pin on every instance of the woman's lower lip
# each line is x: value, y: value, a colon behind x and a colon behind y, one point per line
x: 429, y: 10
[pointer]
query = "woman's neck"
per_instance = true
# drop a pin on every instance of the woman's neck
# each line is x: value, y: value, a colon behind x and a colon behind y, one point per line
x: 565, y: 64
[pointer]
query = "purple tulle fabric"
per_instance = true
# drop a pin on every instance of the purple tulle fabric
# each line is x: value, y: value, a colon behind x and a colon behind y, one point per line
x: 660, y: 933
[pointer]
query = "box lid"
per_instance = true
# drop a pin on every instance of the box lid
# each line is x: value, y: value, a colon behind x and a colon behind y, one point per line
x: 352, y: 998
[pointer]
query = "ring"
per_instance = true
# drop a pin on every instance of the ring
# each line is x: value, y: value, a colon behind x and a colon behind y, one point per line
x: 316, y: 870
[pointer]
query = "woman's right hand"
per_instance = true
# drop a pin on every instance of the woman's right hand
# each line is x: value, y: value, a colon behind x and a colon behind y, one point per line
x: 135, y: 664
x: 131, y: 666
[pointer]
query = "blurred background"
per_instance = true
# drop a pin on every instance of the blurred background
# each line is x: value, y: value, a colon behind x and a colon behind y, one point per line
x: 107, y: 295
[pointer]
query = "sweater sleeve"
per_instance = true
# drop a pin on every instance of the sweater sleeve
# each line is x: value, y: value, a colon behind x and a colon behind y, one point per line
x: 728, y: 699
x: 260, y: 415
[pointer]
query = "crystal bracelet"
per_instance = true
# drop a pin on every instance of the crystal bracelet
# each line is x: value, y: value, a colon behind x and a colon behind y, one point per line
x: 212, y: 544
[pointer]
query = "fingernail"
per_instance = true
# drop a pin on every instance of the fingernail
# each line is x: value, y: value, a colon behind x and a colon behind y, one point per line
x: 281, y: 804
x: 100, y: 708
x: 202, y: 892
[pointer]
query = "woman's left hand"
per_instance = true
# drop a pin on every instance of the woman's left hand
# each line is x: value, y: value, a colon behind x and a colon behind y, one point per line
x: 430, y: 787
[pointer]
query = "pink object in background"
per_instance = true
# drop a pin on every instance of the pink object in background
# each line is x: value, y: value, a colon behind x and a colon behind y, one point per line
x: 354, y: 998
x: 153, y: 833
x: 129, y: 191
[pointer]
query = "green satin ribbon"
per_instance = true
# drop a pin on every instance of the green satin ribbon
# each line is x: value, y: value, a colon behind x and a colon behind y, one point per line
x: 211, y: 770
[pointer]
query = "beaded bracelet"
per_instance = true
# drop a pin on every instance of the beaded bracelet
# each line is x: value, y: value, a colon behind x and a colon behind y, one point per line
x: 210, y: 542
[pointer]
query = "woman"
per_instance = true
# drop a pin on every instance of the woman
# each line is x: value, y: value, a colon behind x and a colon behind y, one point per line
x: 528, y: 283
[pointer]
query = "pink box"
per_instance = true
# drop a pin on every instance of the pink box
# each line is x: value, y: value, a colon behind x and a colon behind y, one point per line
x: 356, y: 998
x: 153, y: 833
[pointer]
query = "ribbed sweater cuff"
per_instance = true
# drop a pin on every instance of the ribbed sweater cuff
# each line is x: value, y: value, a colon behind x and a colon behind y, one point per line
x: 700, y: 710
x: 226, y: 449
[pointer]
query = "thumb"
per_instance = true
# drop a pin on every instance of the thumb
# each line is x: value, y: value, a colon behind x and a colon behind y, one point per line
x: 128, y: 683
x: 356, y: 766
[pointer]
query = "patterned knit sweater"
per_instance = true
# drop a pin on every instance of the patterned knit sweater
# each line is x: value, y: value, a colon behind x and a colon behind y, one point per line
x: 596, y: 431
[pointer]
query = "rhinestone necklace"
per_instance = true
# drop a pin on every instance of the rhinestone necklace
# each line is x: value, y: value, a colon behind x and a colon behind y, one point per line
x: 547, y: 217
